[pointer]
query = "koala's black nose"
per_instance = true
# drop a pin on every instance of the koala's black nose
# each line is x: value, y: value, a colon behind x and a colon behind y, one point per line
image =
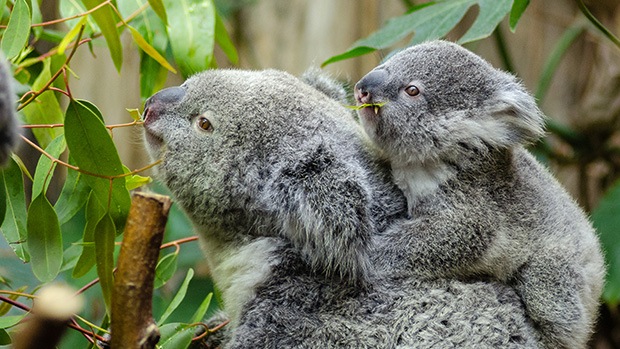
x: 367, y: 86
x: 154, y: 104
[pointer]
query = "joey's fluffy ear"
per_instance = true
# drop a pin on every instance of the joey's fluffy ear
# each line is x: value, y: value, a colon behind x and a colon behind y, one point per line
x: 519, y: 121
x: 321, y: 81
x: 321, y: 204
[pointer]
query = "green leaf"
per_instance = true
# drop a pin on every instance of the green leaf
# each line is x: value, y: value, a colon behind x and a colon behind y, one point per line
x: 93, y: 150
x: 158, y: 7
x: 71, y: 34
x: 45, y: 166
x: 223, y: 40
x: 44, y: 239
x: 606, y: 221
x: 430, y: 22
x: 149, y: 50
x: 13, y: 226
x: 518, y: 7
x: 202, y: 309
x: 104, y: 251
x: 152, y: 76
x: 165, y: 269
x: 45, y: 109
x: 5, y: 339
x: 106, y: 20
x: 491, y: 13
x: 94, y: 214
x: 191, y: 32
x: 73, y: 196
x: 175, y: 336
x: 15, y: 37
x: 177, y: 298
x: 10, y: 321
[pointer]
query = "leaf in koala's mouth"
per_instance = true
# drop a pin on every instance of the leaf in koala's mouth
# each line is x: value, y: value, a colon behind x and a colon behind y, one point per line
x: 374, y: 106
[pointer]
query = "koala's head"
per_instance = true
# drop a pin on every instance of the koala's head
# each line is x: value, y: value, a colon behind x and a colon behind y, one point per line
x: 259, y: 153
x: 437, y: 101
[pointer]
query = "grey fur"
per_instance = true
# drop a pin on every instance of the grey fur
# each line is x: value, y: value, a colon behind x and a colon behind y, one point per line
x: 292, y: 208
x: 480, y: 204
x: 9, y: 131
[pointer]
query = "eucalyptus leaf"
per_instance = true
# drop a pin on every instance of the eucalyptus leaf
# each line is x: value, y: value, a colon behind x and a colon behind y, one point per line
x: 518, y: 7
x: 45, y: 166
x: 165, y: 269
x: 106, y: 20
x: 93, y: 150
x: 104, y: 251
x: 175, y: 336
x: 13, y: 226
x: 606, y: 220
x: 158, y: 7
x: 15, y: 37
x: 94, y: 213
x: 73, y: 196
x: 191, y: 32
x: 44, y: 239
x: 178, y: 298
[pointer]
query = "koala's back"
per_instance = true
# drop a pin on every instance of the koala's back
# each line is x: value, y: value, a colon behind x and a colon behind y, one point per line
x: 405, y: 313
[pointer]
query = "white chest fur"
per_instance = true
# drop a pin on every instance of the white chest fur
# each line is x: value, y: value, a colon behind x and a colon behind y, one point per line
x: 419, y: 180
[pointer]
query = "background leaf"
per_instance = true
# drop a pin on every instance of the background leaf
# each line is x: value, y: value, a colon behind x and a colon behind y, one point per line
x: 106, y: 19
x: 491, y: 13
x: 191, y: 32
x: 15, y: 37
x: 518, y: 7
x: 606, y: 220
x: 44, y: 239
x: 45, y: 166
x: 175, y: 336
x: 87, y: 259
x: 165, y: 269
x: 177, y: 297
x: 158, y: 7
x: 73, y: 195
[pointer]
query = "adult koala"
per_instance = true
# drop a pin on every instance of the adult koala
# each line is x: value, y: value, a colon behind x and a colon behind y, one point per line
x: 9, y: 132
x: 291, y: 206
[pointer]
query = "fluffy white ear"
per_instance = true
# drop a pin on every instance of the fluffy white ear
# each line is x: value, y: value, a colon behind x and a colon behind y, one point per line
x: 514, y: 110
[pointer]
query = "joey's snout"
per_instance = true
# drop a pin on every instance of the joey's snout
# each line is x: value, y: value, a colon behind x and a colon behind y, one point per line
x: 366, y: 89
x: 156, y: 103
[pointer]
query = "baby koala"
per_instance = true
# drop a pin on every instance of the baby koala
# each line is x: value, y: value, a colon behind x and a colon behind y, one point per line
x: 454, y: 129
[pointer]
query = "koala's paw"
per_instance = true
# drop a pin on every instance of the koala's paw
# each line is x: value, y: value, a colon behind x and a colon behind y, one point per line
x: 218, y: 336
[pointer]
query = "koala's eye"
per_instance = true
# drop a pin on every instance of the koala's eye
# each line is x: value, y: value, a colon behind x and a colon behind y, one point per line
x: 412, y: 90
x: 204, y: 123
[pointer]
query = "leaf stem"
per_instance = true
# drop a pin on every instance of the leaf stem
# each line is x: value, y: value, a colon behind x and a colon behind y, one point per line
x: 597, y: 24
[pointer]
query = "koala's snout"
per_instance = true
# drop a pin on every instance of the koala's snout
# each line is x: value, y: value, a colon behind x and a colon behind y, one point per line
x: 155, y: 103
x: 366, y: 88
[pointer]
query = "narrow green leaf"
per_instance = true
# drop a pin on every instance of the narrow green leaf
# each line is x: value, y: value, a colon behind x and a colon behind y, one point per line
x: 175, y: 336
x: 191, y: 32
x: 5, y: 339
x: 94, y: 214
x: 166, y: 267
x: 45, y: 109
x: 13, y: 226
x: 44, y: 239
x: 45, y: 166
x: 178, y: 298
x: 71, y: 34
x: 93, y: 150
x: 152, y: 76
x: 202, y: 309
x: 35, y: 17
x: 106, y: 20
x: 10, y: 321
x: 135, y: 114
x: 518, y: 7
x: 158, y: 7
x: 351, y: 53
x: 149, y: 50
x: 73, y: 196
x: 491, y: 13
x: 3, y: 199
x: 223, y: 40
x: 15, y: 36
x: 606, y: 220
x: 104, y: 250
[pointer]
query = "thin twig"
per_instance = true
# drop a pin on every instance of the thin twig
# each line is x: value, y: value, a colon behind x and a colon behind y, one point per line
x: 597, y: 24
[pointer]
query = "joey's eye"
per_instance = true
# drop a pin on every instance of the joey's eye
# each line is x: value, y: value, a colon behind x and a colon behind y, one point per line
x: 412, y: 90
x: 204, y: 123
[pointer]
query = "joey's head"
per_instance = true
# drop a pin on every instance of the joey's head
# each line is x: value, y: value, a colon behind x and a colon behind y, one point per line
x: 437, y: 102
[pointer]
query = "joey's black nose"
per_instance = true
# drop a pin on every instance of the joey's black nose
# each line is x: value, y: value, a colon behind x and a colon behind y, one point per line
x: 156, y: 102
x: 367, y: 86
